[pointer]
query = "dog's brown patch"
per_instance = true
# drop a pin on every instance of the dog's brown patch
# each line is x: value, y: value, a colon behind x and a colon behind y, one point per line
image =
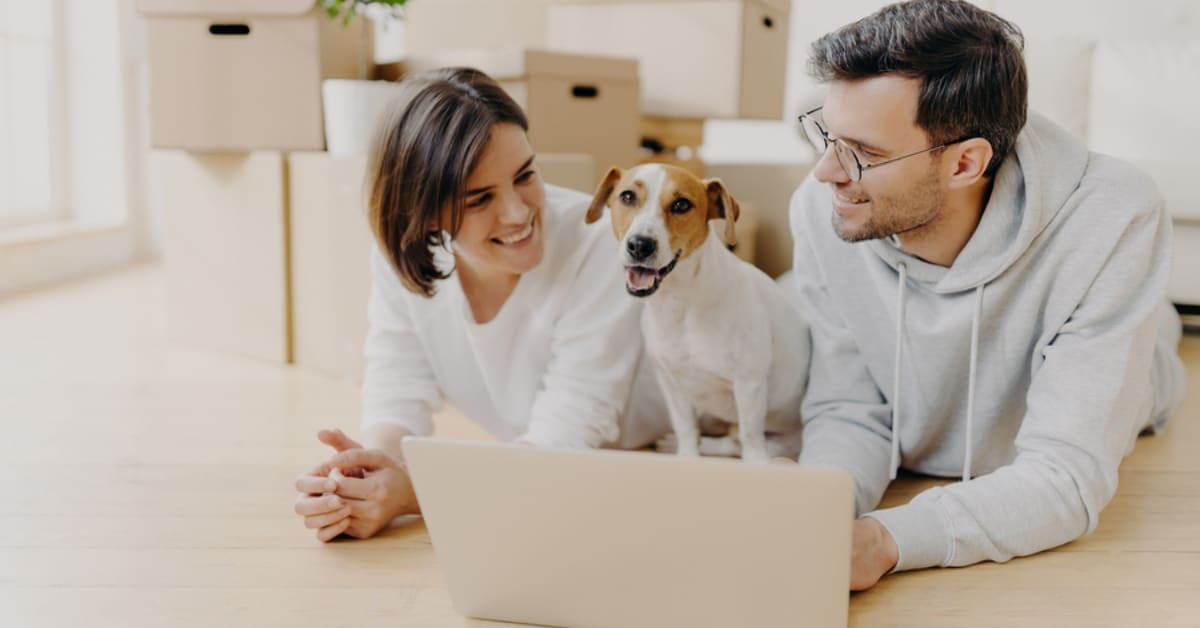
x: 687, y: 224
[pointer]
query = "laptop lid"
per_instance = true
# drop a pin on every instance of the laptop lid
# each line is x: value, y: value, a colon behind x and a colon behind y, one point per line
x: 617, y: 538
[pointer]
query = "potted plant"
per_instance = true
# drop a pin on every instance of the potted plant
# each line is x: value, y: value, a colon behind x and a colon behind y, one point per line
x: 353, y: 108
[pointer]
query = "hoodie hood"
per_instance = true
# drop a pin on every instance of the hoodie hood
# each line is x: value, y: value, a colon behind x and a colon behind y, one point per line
x: 1030, y: 188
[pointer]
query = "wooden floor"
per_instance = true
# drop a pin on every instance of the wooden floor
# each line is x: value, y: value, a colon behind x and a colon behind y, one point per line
x: 150, y: 485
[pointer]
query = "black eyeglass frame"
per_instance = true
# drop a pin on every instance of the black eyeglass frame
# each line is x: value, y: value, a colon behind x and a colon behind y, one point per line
x: 858, y: 162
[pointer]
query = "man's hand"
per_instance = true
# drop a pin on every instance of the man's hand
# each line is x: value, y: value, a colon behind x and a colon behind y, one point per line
x: 873, y: 553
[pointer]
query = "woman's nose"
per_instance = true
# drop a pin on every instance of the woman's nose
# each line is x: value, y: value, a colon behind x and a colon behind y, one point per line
x: 513, y: 209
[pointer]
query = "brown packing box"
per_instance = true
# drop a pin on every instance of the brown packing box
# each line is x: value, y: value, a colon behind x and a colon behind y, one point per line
x: 674, y: 141
x: 673, y: 132
x: 699, y: 58
x: 439, y: 25
x: 575, y: 103
x: 231, y: 75
x: 331, y: 246
x: 225, y: 251
x: 768, y: 187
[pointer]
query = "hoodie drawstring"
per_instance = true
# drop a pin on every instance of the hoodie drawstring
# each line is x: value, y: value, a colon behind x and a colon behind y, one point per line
x: 966, y: 475
x: 900, y: 289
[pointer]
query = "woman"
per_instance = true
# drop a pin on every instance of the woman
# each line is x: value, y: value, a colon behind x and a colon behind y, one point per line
x: 489, y: 290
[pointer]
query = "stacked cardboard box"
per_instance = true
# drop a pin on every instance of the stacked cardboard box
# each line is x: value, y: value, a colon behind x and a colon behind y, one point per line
x: 266, y: 247
x: 698, y: 58
x: 575, y: 103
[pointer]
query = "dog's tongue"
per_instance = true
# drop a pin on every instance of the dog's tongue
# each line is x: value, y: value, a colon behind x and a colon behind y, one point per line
x: 640, y: 278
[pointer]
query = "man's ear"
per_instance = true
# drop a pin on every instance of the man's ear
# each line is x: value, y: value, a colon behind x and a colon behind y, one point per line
x: 971, y: 161
x: 596, y: 210
x: 722, y: 205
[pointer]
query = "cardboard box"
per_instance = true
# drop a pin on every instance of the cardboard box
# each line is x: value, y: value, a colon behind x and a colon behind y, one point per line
x: 569, y: 170
x: 225, y: 251
x: 674, y: 141
x: 699, y: 58
x: 432, y: 26
x: 330, y: 262
x: 692, y: 164
x: 230, y: 75
x: 575, y: 103
x: 330, y: 252
x: 672, y: 132
x: 768, y: 187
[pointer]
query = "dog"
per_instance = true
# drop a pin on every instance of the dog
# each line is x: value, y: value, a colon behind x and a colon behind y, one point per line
x: 730, y: 348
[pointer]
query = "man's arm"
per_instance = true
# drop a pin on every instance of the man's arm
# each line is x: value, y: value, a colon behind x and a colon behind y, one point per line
x: 847, y: 421
x: 1085, y: 406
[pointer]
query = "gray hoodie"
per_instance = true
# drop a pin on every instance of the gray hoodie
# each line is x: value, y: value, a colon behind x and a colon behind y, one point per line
x: 1027, y: 368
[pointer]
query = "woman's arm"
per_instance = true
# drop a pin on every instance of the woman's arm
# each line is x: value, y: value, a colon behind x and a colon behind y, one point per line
x: 595, y: 347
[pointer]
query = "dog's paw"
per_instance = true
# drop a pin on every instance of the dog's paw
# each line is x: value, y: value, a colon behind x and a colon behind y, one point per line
x: 723, y: 446
x: 755, y: 455
x: 667, y: 443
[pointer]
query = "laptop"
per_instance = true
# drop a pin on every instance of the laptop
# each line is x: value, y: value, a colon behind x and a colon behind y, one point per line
x: 623, y: 539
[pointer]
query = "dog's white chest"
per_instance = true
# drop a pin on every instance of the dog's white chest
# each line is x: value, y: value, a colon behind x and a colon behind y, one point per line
x: 701, y: 368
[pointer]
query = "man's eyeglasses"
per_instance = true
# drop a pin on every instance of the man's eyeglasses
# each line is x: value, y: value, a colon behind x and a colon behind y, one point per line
x: 846, y: 156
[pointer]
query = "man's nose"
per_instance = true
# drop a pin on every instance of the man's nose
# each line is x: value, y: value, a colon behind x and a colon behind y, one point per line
x: 828, y: 169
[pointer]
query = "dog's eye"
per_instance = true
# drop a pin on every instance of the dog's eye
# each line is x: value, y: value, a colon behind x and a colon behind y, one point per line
x: 681, y: 206
x: 628, y: 197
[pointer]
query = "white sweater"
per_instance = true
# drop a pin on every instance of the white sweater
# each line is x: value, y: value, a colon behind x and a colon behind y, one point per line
x: 555, y: 367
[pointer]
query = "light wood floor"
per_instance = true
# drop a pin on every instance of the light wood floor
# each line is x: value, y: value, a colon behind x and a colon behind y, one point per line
x: 145, y: 484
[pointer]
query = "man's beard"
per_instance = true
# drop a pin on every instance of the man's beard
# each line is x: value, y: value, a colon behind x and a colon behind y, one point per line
x: 917, y: 207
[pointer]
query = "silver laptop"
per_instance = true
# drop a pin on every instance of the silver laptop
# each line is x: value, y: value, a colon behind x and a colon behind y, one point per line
x: 623, y: 539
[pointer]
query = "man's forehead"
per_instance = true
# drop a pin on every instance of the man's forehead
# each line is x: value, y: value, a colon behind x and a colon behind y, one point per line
x: 882, y: 108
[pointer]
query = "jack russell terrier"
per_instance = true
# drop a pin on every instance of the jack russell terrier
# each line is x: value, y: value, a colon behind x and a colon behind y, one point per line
x: 729, y: 346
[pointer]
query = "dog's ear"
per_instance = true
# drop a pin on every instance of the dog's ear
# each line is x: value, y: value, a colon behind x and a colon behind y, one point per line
x: 722, y: 205
x: 602, y: 193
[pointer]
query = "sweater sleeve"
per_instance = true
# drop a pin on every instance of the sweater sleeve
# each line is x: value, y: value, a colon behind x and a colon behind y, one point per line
x: 847, y: 421
x: 1085, y: 406
x: 595, y: 346
x: 398, y: 386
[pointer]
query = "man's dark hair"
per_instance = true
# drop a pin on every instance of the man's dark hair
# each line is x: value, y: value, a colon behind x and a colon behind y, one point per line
x: 969, y: 62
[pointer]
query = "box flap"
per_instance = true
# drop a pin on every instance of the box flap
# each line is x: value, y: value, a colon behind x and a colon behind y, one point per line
x: 225, y: 7
x: 517, y: 62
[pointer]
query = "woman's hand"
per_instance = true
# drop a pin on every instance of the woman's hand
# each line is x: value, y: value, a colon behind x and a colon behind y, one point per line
x: 375, y: 488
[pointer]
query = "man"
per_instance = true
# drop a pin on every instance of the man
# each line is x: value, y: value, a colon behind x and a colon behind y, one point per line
x: 989, y: 302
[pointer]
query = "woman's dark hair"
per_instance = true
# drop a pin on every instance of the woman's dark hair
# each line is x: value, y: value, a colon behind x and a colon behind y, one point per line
x: 969, y: 62
x: 430, y: 142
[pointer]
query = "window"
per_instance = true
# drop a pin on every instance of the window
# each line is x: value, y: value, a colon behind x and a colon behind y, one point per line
x: 31, y: 113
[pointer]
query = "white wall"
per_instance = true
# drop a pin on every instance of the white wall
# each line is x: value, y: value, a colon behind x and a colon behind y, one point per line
x: 1054, y: 30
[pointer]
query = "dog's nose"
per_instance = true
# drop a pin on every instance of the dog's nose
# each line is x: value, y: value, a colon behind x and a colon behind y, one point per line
x: 640, y: 248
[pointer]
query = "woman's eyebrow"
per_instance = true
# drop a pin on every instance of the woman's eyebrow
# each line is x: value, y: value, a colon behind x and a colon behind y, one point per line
x: 525, y: 166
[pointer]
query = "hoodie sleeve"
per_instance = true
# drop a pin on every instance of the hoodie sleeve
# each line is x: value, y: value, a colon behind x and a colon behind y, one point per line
x: 595, y: 346
x: 847, y: 422
x: 1085, y: 406
x: 399, y: 386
